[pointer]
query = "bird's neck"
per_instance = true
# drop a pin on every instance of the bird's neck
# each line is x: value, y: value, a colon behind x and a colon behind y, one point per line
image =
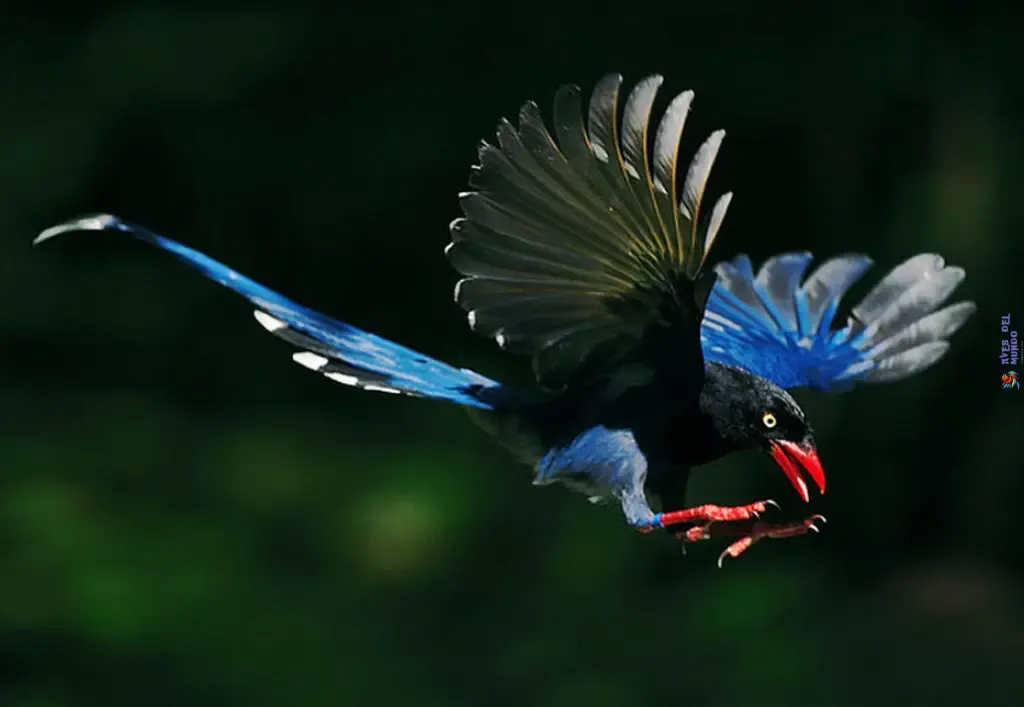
x: 720, y: 406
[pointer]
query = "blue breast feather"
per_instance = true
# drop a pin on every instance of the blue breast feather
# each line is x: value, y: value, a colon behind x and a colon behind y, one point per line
x: 602, y: 463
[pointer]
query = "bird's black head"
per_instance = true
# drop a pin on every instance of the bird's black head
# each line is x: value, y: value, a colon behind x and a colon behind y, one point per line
x: 749, y: 412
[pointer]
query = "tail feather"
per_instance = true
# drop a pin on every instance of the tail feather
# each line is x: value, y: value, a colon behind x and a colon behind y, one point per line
x: 339, y: 351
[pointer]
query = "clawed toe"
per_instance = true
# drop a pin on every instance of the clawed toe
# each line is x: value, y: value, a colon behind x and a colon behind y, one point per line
x: 787, y: 530
x: 728, y: 520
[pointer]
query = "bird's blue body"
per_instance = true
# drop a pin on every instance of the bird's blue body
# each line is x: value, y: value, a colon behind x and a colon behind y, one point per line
x: 647, y: 366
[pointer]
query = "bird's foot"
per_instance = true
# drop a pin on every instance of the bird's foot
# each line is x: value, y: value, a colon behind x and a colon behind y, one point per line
x: 692, y: 535
x: 707, y: 514
x: 767, y: 530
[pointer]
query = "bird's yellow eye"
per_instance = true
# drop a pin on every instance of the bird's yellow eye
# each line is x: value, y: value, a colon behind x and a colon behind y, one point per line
x: 769, y: 420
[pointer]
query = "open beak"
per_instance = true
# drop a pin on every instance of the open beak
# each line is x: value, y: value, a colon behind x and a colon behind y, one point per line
x: 791, y: 457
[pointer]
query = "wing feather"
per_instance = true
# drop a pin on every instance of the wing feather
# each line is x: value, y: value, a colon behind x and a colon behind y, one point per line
x: 921, y: 298
x: 822, y: 291
x: 693, y: 193
x: 572, y: 241
x: 666, y: 174
x: 774, y: 327
x: 715, y: 224
x: 891, y: 286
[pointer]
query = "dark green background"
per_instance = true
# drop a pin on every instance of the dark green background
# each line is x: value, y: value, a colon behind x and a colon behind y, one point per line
x: 188, y: 518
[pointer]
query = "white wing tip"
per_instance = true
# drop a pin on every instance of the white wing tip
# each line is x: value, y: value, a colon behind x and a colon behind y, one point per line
x: 655, y: 80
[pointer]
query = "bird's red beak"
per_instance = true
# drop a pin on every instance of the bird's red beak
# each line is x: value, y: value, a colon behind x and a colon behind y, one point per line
x: 791, y: 456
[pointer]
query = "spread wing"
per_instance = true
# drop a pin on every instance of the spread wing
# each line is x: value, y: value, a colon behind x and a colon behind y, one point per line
x: 573, y: 244
x: 775, y: 327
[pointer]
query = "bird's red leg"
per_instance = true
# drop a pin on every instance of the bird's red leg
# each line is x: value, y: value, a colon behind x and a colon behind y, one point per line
x: 707, y: 513
x: 751, y: 533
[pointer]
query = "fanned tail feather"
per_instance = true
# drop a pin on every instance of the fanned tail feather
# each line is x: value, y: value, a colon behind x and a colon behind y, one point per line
x: 339, y: 351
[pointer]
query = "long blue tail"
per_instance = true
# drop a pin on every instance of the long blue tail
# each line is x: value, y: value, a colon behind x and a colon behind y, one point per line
x: 341, y: 352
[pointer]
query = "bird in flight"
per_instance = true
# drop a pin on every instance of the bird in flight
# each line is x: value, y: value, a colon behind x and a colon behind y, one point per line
x: 586, y: 249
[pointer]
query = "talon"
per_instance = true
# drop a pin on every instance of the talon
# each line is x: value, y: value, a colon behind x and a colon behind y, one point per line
x: 736, y: 549
x: 770, y: 502
x: 692, y: 535
x: 810, y: 522
x: 770, y: 530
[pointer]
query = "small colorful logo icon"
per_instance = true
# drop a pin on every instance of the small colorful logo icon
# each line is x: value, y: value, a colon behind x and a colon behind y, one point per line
x: 1011, y: 380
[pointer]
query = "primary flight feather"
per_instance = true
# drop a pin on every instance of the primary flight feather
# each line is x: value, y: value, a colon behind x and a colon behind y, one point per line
x: 585, y: 248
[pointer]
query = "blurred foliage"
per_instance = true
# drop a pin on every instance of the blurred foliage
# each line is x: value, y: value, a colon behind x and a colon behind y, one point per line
x: 187, y: 518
